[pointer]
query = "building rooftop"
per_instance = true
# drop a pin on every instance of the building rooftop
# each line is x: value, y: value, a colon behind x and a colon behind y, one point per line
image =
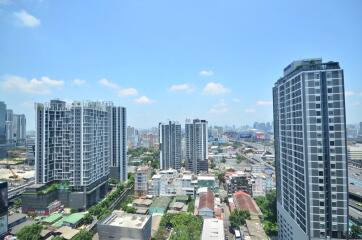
x: 213, y: 229
x: 67, y: 232
x: 243, y: 201
x: 72, y: 219
x: 208, y: 178
x: 126, y: 220
x: 146, y: 202
x: 52, y: 218
x: 161, y: 202
x: 206, y: 200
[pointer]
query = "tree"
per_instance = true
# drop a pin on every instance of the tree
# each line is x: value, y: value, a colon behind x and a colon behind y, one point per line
x: 191, y: 207
x: 88, y: 219
x: 223, y: 160
x: 238, y: 217
x: 57, y: 238
x: 356, y: 232
x: 221, y: 177
x: 73, y: 210
x: 17, y: 203
x: 270, y: 228
x: 31, y: 232
x: 83, y: 235
x: 268, y: 206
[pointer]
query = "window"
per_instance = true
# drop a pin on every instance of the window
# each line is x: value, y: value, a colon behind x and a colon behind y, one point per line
x: 329, y: 90
x: 331, y: 143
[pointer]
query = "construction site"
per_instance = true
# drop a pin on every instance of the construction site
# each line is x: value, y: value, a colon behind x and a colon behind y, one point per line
x: 17, y: 169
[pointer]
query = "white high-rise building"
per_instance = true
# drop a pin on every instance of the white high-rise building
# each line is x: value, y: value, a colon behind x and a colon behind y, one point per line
x: 170, y: 145
x: 196, y: 145
x: 310, y: 151
x: 80, y: 143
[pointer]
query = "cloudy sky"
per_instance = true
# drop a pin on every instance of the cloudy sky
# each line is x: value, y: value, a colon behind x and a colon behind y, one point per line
x: 216, y: 60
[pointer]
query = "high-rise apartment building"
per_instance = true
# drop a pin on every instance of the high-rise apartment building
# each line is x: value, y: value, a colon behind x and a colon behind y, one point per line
x: 196, y: 145
x: 2, y: 122
x: 18, y: 128
x: 9, y: 127
x: 118, y: 168
x: 81, y: 144
x: 170, y: 145
x: 310, y: 151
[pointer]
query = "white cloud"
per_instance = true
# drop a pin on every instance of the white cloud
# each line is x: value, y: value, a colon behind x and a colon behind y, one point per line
x: 122, y: 92
x: 213, y: 88
x: 236, y: 100
x: 43, y: 85
x: 220, y: 107
x: 143, y: 100
x: 206, y: 73
x: 78, y: 82
x: 264, y: 102
x: 26, y: 19
x: 108, y: 83
x: 181, y: 87
x: 127, y: 92
x: 249, y: 110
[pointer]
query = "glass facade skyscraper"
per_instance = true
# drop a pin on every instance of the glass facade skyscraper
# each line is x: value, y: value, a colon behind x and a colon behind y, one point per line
x: 310, y: 151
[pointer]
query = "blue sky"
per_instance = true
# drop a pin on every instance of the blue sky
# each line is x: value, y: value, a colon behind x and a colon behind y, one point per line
x: 216, y: 60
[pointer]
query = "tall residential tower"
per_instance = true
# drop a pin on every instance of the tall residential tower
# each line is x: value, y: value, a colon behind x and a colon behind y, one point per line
x: 310, y: 151
x: 170, y: 145
x: 80, y: 144
x: 196, y: 145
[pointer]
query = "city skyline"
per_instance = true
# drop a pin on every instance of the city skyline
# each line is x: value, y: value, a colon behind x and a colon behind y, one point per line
x: 151, y: 59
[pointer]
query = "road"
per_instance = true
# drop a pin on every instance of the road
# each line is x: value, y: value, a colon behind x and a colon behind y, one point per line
x: 226, y: 216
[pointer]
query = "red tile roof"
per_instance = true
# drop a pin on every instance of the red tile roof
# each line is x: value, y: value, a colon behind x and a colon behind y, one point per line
x: 243, y: 201
x: 206, y: 200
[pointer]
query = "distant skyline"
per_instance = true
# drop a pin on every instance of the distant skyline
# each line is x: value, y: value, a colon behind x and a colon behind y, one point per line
x: 165, y: 60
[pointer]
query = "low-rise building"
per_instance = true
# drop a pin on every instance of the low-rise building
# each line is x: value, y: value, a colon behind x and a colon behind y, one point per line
x: 120, y: 225
x: 141, y: 181
x: 237, y: 181
x: 159, y: 205
x: 243, y: 201
x: 207, y: 181
x: 206, y: 204
x: 355, y: 155
x: 213, y: 229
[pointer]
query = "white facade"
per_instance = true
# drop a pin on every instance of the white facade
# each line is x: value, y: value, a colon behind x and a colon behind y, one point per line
x: 74, y: 142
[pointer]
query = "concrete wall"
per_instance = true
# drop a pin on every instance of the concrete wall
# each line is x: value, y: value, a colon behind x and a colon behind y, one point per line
x: 107, y: 232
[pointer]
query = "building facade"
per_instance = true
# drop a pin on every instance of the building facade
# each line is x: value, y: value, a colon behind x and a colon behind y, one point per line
x: 170, y: 145
x: 310, y: 151
x: 141, y: 181
x: 74, y: 145
x: 196, y: 145
x: 118, y: 168
x: 2, y: 122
